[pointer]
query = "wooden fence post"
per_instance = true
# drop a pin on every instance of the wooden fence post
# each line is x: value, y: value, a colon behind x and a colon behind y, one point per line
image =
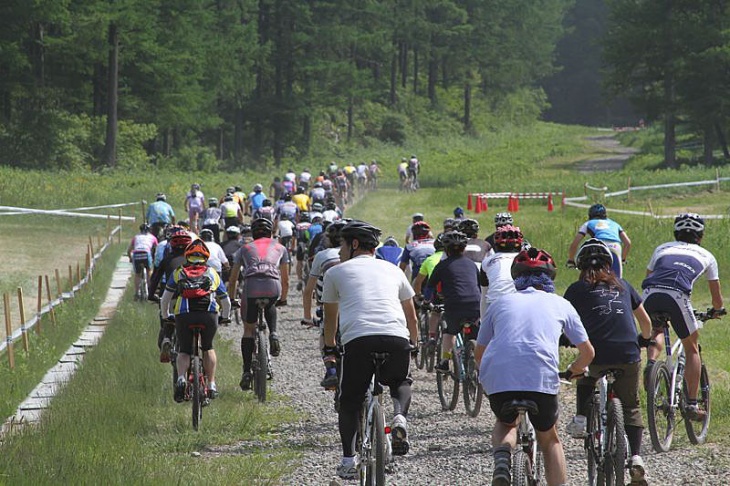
x: 50, y: 302
x: 58, y: 283
x: 143, y: 211
x: 88, y: 262
x: 23, y: 330
x: 119, y: 234
x: 108, y: 227
x: 91, y: 245
x: 78, y: 272
x: 40, y: 304
x: 70, y: 278
x: 628, y: 190
x: 9, y: 331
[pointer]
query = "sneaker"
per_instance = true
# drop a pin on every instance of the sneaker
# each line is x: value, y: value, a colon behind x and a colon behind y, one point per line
x: 443, y: 366
x: 695, y: 413
x: 165, y: 350
x: 275, y: 346
x: 348, y: 470
x: 212, y: 391
x: 180, y: 389
x: 501, y: 476
x: 636, y: 470
x: 577, y: 427
x: 399, y: 435
x: 330, y: 380
x: 246, y: 379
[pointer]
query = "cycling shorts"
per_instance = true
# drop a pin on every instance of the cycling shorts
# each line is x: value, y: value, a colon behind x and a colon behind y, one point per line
x: 141, y: 260
x: 185, y: 334
x: 301, y: 251
x: 252, y: 309
x: 616, y: 251
x: 547, y: 406
x: 402, y: 175
x: 285, y: 241
x: 456, y: 319
x: 677, y: 305
x: 412, y: 172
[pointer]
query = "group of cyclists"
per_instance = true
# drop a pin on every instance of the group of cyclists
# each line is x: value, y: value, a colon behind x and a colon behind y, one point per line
x: 501, y: 285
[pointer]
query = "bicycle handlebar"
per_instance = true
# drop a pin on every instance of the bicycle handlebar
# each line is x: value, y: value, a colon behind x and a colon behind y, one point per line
x: 710, y: 313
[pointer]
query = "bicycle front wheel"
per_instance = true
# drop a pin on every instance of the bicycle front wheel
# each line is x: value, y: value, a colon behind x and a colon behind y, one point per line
x: 197, y: 397
x: 592, y: 444
x: 659, y: 411
x: 447, y: 384
x: 615, y: 456
x: 697, y: 430
x: 262, y: 360
x: 522, y: 470
x: 473, y: 392
x: 423, y: 330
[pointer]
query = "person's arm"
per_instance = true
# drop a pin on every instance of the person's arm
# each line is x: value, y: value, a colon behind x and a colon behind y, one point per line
x: 129, y: 249
x: 644, y: 321
x: 716, y: 294
x: 574, y: 246
x: 284, y: 271
x: 187, y: 203
x: 411, y: 319
x: 331, y: 310
x: 418, y: 282
x: 585, y: 356
x: 233, y: 279
x: 625, y: 245
x: 165, y: 304
x: 307, y: 296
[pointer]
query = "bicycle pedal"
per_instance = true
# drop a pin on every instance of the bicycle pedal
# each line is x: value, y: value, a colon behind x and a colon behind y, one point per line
x: 400, y: 447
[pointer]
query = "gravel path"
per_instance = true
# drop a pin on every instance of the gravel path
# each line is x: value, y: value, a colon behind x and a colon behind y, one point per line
x: 447, y: 448
x: 615, y: 158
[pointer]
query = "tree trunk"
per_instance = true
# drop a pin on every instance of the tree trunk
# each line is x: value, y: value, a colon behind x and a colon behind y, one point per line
x: 707, y: 145
x: 7, y: 106
x: 40, y: 55
x: 467, y: 107
x: 403, y: 53
x: 415, y: 71
x: 350, y: 118
x: 670, y: 123
x: 98, y: 90
x: 393, y: 80
x: 432, y: 78
x: 723, y: 141
x: 238, y: 124
x: 110, y: 146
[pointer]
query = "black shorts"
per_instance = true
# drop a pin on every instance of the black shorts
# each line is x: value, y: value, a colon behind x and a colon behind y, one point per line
x: 301, y: 251
x: 547, y: 406
x: 285, y: 240
x: 185, y: 334
x: 456, y: 319
x: 252, y: 310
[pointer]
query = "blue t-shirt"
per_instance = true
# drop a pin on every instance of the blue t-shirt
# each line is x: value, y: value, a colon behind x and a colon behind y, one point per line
x: 603, y: 229
x: 607, y: 315
x: 257, y: 200
x: 416, y: 252
x: 160, y: 212
x: 521, y: 332
x: 390, y: 254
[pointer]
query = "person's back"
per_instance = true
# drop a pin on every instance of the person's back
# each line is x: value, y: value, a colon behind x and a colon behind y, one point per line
x: 495, y: 272
x: 389, y: 251
x: 415, y: 253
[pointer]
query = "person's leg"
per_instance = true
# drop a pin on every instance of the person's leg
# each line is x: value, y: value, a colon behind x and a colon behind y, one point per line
x: 552, y: 451
x: 693, y: 365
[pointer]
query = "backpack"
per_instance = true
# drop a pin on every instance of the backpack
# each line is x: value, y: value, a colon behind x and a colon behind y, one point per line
x: 194, y: 282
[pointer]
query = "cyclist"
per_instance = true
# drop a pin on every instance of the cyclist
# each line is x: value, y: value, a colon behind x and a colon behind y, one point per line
x: 607, y: 230
x: 217, y: 259
x: 389, y: 251
x: 304, y: 179
x: 458, y: 280
x: 285, y: 233
x: 265, y: 265
x: 194, y: 205
x: 276, y: 189
x: 301, y: 199
x: 140, y: 251
x: 159, y: 214
x: 419, y: 249
x: 231, y: 211
x: 266, y: 211
x: 211, y: 218
x: 414, y: 219
x: 196, y: 306
x: 426, y: 292
x: 288, y: 183
x: 331, y: 211
x: 517, y: 347
x: 403, y: 172
x: 605, y: 304
x: 500, y: 219
x: 342, y: 184
x: 450, y: 224
x: 495, y: 274
x: 255, y: 199
x: 317, y: 194
x: 476, y: 248
x: 240, y: 197
x: 672, y: 271
x: 317, y: 210
x: 414, y: 168
x: 287, y: 208
x: 458, y: 213
x: 301, y: 232
x: 373, y: 173
x: 232, y: 244
x: 386, y: 324
x: 362, y: 176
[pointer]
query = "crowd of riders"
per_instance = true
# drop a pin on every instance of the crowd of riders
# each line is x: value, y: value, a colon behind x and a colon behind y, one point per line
x: 363, y: 292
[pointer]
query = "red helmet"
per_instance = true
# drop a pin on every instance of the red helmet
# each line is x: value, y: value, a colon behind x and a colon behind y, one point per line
x: 508, y: 237
x: 420, y: 230
x: 533, y: 261
x: 180, y: 239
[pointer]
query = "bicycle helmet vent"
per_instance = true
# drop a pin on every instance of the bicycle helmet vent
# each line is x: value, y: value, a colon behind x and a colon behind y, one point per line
x: 197, y: 252
x: 366, y: 234
x: 502, y: 219
x: 533, y: 261
x: 420, y: 230
x: 508, y: 237
x: 470, y: 227
x: 454, y: 240
x: 593, y: 253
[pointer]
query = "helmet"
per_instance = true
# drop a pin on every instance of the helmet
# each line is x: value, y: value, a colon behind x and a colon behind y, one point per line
x: 449, y: 224
x: 180, y: 239
x: 454, y: 240
x: 508, y: 237
x: 230, y: 190
x: 317, y: 207
x: 438, y: 243
x: 390, y: 241
x: 300, y: 189
x: 458, y: 212
x: 195, y: 187
x: 417, y: 217
x: 366, y: 234
x: 593, y: 253
x: 233, y: 230
x: 144, y: 228
x: 689, y: 227
x: 206, y: 234
x: 237, y: 188
x: 184, y: 223
x: 420, y: 230
x: 212, y: 201
x: 533, y: 261
x: 317, y: 184
x: 161, y: 197
x: 258, y: 188
x: 501, y: 219
x: 286, y: 196
x: 262, y: 228
x: 333, y: 232
x: 228, y: 197
x: 597, y: 211
x: 266, y: 202
x: 470, y: 227
x: 197, y: 252
x: 304, y: 217
x: 245, y: 229
x: 413, y: 156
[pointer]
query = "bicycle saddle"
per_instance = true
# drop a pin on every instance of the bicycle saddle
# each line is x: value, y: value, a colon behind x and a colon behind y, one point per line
x: 517, y: 404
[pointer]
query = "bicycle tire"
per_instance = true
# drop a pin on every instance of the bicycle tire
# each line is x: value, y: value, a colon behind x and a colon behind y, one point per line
x: 363, y: 447
x: 615, y: 455
x: 448, y: 386
x: 473, y: 392
x: 197, y: 398
x: 431, y: 353
x: 262, y: 358
x: 521, y: 469
x: 592, y: 443
x: 697, y: 431
x: 173, y: 358
x: 659, y: 411
x: 423, y: 330
x: 377, y: 434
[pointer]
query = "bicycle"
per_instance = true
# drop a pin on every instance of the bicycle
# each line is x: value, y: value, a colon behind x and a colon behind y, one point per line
x: 197, y: 388
x: 666, y: 390
x: 528, y: 467
x: 429, y: 351
x: 463, y: 372
x: 373, y: 440
x: 261, y: 364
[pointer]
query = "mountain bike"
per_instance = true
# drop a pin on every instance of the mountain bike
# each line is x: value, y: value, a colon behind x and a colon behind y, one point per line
x: 373, y: 439
x: 197, y: 389
x: 429, y: 350
x: 527, y: 462
x: 141, y: 293
x: 666, y: 390
x: 261, y: 364
x: 463, y: 372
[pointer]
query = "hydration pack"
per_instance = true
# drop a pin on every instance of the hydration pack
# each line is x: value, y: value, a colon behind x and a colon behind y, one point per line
x: 194, y: 282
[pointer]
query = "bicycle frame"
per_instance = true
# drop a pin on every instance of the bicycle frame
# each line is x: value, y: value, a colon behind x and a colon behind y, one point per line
x: 675, y: 362
x: 372, y: 414
x: 526, y: 435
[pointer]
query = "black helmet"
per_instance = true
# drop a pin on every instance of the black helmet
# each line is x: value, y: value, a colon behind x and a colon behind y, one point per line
x: 333, y: 232
x: 366, y: 234
x: 533, y: 262
x: 390, y: 241
x: 304, y: 217
x: 597, y: 211
x: 438, y: 243
x: 261, y: 228
x: 470, y: 227
x: 689, y: 227
x: 593, y: 253
x: 144, y: 228
x: 266, y: 202
x: 454, y: 240
x: 161, y: 197
x: 449, y: 224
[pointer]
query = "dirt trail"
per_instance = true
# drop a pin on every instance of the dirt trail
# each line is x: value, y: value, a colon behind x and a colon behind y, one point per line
x: 615, y: 157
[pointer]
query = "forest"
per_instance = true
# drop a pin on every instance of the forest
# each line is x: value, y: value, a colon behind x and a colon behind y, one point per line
x: 244, y: 84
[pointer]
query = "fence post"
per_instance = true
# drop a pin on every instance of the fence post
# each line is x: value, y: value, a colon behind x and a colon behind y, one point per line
x: 50, y: 302
x: 91, y: 245
x: 40, y: 304
x: 717, y: 178
x: 70, y: 278
x: 23, y: 330
x: 628, y: 190
x: 143, y: 211
x: 78, y: 272
x: 108, y: 227
x: 9, y: 331
x: 58, y: 283
x: 119, y: 234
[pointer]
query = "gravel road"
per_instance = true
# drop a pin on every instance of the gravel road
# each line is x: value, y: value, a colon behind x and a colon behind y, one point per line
x: 447, y: 448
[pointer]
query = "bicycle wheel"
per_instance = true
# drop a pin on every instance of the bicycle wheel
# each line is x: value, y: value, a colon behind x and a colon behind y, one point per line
x: 615, y: 455
x: 431, y: 352
x: 143, y: 286
x: 448, y: 386
x: 423, y: 330
x: 197, y: 397
x: 592, y: 444
x: 697, y: 431
x: 659, y: 411
x: 173, y: 358
x: 521, y: 469
x: 473, y: 391
x: 262, y: 360
x: 364, y: 449
x: 377, y: 435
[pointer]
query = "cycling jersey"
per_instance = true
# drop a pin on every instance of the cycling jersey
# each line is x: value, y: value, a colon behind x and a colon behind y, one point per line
x: 217, y: 256
x: 362, y: 171
x: 416, y: 252
x: 159, y: 212
x: 195, y: 202
x: 211, y: 216
x: 402, y: 168
x: 677, y: 266
x: 288, y: 186
x: 331, y: 215
x: 390, y: 254
x: 476, y: 250
x: 230, y: 209
x: 459, y: 281
x: 260, y: 261
x: 266, y: 212
x: 285, y: 228
x: 202, y: 304
x: 257, y: 200
x: 323, y: 261
x: 603, y: 229
x: 143, y: 243
x: 304, y: 178
x: 317, y: 194
x: 302, y: 201
x: 287, y: 209
x: 430, y: 263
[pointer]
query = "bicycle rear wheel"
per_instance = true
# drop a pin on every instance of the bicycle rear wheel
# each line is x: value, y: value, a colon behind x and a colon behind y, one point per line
x: 592, y: 444
x: 697, y: 431
x: 659, y: 411
x: 377, y: 435
x: 473, y: 392
x: 261, y: 371
x: 448, y: 386
x: 431, y: 353
x: 197, y: 397
x: 615, y: 455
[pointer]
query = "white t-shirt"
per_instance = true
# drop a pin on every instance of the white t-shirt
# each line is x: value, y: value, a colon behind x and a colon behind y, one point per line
x: 217, y: 256
x: 285, y: 228
x: 305, y: 177
x: 498, y: 268
x: 369, y: 293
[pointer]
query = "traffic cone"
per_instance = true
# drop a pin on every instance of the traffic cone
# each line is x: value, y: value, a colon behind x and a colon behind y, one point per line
x: 516, y: 204
x: 485, y: 204
x: 477, y: 204
x: 550, y: 202
x: 468, y: 202
x: 510, y: 204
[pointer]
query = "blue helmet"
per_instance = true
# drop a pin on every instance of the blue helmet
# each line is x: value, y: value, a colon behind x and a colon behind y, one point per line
x: 597, y: 211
